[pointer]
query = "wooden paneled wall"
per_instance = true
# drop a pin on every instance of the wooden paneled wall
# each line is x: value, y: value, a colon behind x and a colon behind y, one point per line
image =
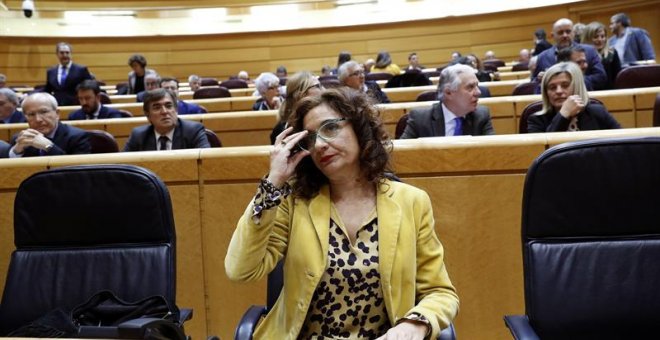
x: 25, y: 60
x: 475, y: 185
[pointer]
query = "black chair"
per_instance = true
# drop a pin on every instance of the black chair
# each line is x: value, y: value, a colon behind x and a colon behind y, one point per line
x: 102, y: 142
x: 638, y: 76
x: 125, y: 113
x: 213, y: 138
x: 427, y: 96
x: 378, y: 76
x: 105, y: 99
x: 208, y: 82
x: 211, y: 92
x: 591, y: 242
x: 524, y: 66
x: 83, y: 229
x: 401, y: 126
x: 234, y: 84
x: 408, y: 79
x: 525, y: 88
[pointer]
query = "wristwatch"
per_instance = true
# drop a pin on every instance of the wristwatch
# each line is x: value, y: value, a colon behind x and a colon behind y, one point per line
x: 49, y: 147
x: 418, y: 318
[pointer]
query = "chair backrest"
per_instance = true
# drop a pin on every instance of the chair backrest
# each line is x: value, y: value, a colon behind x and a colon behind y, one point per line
x: 401, y: 126
x: 525, y: 88
x: 373, y: 76
x: 591, y: 240
x: 211, y: 92
x: 125, y: 113
x: 535, y: 107
x: 520, y: 67
x: 102, y: 142
x: 213, y: 138
x: 234, y: 84
x: 656, y: 111
x: 408, y: 79
x: 82, y: 229
x: 493, y: 64
x: 427, y: 96
x: 638, y: 76
x: 208, y: 82
x: 324, y: 78
x: 105, y: 99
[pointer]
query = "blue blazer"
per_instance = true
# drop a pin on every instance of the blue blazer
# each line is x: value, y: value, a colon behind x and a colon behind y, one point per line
x: 638, y: 46
x: 68, y: 140
x: 66, y: 93
x: 595, y: 77
x: 4, y: 149
x: 187, y: 135
x: 104, y: 113
x: 184, y: 108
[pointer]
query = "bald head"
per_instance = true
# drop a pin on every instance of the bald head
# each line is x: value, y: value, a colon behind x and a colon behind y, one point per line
x: 562, y: 33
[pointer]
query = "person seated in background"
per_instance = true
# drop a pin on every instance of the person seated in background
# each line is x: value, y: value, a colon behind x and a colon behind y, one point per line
x: 632, y: 43
x: 89, y: 96
x: 482, y: 74
x: 384, y: 64
x: 166, y: 131
x: 595, y: 34
x: 9, y: 107
x: 3, y: 81
x: 562, y: 31
x: 195, y: 82
x: 342, y: 57
x: 136, y: 78
x: 457, y: 112
x: 368, y: 65
x: 413, y: 63
x: 281, y: 72
x: 46, y: 135
x: 455, y: 55
x: 379, y: 265
x: 151, y: 82
x: 183, y: 108
x: 566, y: 105
x: 326, y: 71
x: 244, y: 76
x: 540, y: 42
x: 351, y: 74
x: 575, y: 54
x: 268, y: 88
x: 299, y: 86
x: 489, y: 55
x: 523, y: 56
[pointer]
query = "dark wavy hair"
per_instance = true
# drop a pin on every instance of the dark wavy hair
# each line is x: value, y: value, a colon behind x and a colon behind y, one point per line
x: 373, y: 140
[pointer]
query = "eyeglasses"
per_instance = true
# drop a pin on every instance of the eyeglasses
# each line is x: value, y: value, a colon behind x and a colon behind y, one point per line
x: 357, y: 73
x: 327, y: 131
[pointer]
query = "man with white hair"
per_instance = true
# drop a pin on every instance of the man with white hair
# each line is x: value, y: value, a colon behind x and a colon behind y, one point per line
x: 46, y: 135
x: 457, y: 112
x: 595, y: 77
x: 351, y: 74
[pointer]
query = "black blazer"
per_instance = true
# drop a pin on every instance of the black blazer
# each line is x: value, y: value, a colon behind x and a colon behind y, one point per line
x: 430, y: 122
x: 66, y: 93
x: 593, y: 117
x: 104, y: 113
x: 374, y: 91
x: 187, y: 135
x: 68, y: 140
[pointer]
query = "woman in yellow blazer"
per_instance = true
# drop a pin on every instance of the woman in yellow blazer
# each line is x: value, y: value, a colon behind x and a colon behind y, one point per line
x: 392, y: 282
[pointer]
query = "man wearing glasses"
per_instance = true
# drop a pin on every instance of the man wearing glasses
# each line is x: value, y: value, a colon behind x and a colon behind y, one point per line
x: 45, y: 135
x: 351, y: 74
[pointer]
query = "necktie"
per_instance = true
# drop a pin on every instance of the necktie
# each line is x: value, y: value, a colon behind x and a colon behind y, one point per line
x: 458, y: 130
x: 63, y: 76
x: 162, y: 140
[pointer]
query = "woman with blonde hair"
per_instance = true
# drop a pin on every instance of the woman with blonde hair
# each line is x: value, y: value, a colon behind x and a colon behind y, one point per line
x: 566, y: 105
x: 298, y: 86
x: 595, y: 34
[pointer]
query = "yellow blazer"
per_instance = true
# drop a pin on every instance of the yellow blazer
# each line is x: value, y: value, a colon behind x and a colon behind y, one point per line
x: 412, y: 271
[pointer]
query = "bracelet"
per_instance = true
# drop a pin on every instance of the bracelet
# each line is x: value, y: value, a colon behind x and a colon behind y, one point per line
x: 417, y: 318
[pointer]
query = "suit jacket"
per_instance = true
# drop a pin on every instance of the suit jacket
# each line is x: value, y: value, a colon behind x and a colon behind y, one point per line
x: 66, y: 93
x: 184, y: 108
x: 16, y: 117
x: 187, y: 135
x: 593, y: 117
x: 104, y: 113
x: 132, y: 76
x: 637, y: 47
x: 430, y: 122
x: 412, y: 271
x: 68, y: 140
x: 595, y: 77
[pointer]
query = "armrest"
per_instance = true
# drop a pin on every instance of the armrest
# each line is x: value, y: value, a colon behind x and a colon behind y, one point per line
x: 185, y: 314
x: 148, y: 328
x: 448, y: 333
x: 520, y: 327
x: 248, y: 322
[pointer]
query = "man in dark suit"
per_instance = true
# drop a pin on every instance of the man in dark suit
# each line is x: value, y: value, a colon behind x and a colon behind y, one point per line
x: 351, y: 74
x: 151, y: 82
x: 183, y: 108
x: 457, y: 112
x: 46, y: 135
x: 165, y: 131
x: 61, y: 80
x: 89, y: 96
x: 8, y: 107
